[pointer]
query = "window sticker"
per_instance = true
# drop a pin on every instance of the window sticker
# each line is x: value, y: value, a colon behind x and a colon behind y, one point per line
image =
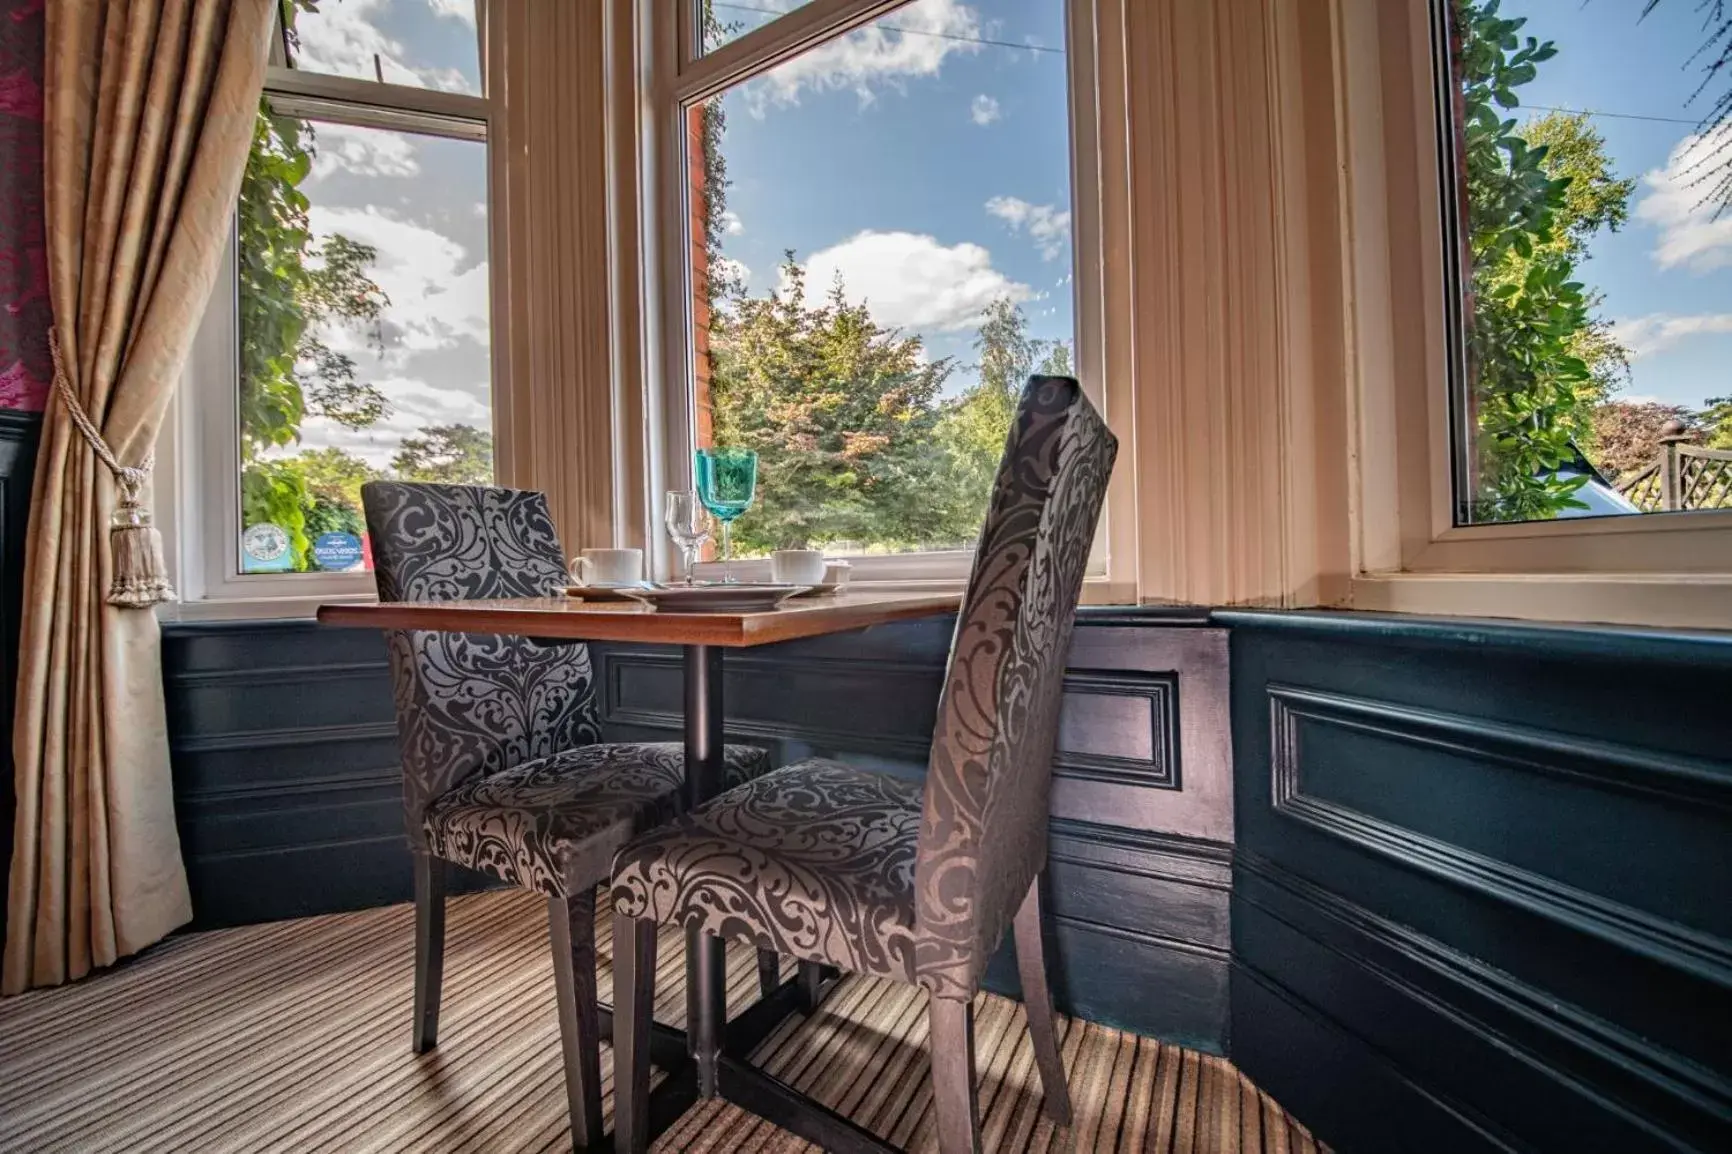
x: 335, y: 552
x: 265, y: 549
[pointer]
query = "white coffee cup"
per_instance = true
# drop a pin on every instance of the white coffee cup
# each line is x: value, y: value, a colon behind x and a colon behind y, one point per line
x: 797, y: 566
x: 608, y: 567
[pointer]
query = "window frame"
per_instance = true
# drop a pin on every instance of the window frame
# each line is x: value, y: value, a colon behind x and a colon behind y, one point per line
x: 1410, y: 554
x: 200, y: 447
x: 681, y: 76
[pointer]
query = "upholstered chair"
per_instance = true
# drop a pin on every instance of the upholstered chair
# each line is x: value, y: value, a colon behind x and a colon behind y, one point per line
x: 885, y: 876
x: 503, y: 767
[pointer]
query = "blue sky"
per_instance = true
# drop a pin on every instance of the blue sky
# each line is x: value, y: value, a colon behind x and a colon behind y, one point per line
x: 929, y: 167
x: 927, y: 159
x: 1667, y: 276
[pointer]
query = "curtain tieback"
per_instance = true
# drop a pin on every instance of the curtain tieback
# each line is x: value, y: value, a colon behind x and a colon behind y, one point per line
x: 140, y: 576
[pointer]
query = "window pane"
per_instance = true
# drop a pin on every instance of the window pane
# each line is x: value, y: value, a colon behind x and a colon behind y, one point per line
x: 881, y: 258
x: 1596, y: 307
x: 420, y: 43
x: 363, y: 330
x: 724, y: 21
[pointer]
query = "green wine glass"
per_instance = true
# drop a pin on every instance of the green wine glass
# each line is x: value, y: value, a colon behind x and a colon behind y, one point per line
x: 726, y: 481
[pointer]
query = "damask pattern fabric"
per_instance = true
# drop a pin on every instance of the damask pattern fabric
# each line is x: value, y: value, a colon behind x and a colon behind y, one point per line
x: 813, y: 861
x: 987, y: 797
x: 501, y: 767
x: 553, y: 825
x: 471, y: 704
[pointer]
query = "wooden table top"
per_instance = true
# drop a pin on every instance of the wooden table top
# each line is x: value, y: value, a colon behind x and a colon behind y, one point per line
x: 566, y: 618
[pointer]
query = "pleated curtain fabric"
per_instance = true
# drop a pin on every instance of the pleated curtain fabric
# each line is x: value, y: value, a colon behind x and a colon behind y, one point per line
x: 149, y: 112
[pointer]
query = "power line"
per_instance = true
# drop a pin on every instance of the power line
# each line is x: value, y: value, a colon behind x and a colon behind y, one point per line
x: 906, y: 31
x: 1615, y: 115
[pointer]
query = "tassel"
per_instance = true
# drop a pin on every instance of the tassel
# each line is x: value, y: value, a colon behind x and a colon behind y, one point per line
x: 140, y: 576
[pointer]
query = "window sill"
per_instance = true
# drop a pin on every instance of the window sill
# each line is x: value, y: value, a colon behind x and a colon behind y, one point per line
x: 1096, y: 591
x: 254, y: 608
x: 1689, y: 601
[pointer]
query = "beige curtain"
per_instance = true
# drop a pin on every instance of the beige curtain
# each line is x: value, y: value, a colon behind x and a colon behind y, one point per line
x: 149, y: 111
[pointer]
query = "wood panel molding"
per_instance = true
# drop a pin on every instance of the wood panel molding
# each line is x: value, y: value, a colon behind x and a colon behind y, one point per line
x: 1159, y: 695
x: 1680, y: 947
x: 1365, y: 939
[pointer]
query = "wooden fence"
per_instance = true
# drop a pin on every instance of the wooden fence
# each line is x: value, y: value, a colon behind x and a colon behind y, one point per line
x: 1684, y: 476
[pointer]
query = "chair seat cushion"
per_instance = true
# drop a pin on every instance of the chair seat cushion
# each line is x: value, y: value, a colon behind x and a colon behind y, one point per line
x: 554, y: 824
x: 814, y: 861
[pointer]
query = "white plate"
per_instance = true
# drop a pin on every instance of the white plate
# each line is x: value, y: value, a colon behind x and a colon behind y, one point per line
x: 718, y: 598
x: 604, y: 592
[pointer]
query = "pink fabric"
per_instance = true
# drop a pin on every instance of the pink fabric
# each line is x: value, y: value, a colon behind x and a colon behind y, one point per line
x: 25, y: 314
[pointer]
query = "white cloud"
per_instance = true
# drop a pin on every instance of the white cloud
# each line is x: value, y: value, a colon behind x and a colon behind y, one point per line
x: 1047, y: 225
x: 912, y: 281
x: 435, y: 299
x: 362, y: 151
x: 415, y: 405
x: 915, y: 42
x: 1656, y: 332
x: 463, y: 10
x: 984, y: 110
x: 1677, y: 202
x: 344, y: 39
x: 731, y: 222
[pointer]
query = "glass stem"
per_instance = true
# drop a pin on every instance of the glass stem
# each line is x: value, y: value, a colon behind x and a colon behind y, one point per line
x: 727, y: 552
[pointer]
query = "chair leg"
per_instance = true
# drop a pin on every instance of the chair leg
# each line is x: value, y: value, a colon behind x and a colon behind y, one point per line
x: 811, y: 975
x: 769, y: 972
x: 634, y: 995
x: 1037, y: 997
x: 954, y: 1096
x: 571, y: 926
x: 429, y: 948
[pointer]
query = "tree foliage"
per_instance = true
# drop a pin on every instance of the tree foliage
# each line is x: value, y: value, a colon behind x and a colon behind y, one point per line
x: 1538, y: 360
x: 1628, y: 434
x: 446, y: 454
x: 294, y: 289
x: 842, y: 413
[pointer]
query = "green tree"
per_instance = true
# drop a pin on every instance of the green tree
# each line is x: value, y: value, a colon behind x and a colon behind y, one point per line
x: 974, y: 427
x: 447, y: 454
x: 842, y: 412
x: 1538, y: 359
x: 1716, y: 418
x: 292, y: 287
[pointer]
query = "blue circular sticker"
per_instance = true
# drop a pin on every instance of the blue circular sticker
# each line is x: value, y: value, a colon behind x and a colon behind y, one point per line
x: 337, y: 550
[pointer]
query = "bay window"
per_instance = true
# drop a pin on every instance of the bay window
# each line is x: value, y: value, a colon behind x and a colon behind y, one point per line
x: 350, y: 337
x: 1544, y: 424
x: 870, y: 212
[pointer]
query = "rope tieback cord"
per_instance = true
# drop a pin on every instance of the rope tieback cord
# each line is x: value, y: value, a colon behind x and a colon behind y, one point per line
x: 140, y: 576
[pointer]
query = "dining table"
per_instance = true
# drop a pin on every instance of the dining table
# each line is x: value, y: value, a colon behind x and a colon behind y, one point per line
x: 703, y: 638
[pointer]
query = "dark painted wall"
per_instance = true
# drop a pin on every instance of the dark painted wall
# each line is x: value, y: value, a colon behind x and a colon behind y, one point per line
x: 18, y: 432
x: 286, y: 783
x: 1480, y: 891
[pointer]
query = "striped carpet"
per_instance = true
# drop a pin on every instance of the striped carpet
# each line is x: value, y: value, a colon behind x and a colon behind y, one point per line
x: 295, y: 1037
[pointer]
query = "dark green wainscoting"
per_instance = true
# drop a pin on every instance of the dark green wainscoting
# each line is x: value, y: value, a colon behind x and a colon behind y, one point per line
x: 1482, y: 888
x: 287, y: 790
x: 18, y: 434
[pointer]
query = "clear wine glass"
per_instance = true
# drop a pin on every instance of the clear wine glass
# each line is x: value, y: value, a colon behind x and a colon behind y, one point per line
x: 688, y: 523
x: 726, y: 481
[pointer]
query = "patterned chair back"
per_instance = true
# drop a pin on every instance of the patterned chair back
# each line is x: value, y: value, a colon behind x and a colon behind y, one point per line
x: 473, y: 703
x: 983, y: 826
